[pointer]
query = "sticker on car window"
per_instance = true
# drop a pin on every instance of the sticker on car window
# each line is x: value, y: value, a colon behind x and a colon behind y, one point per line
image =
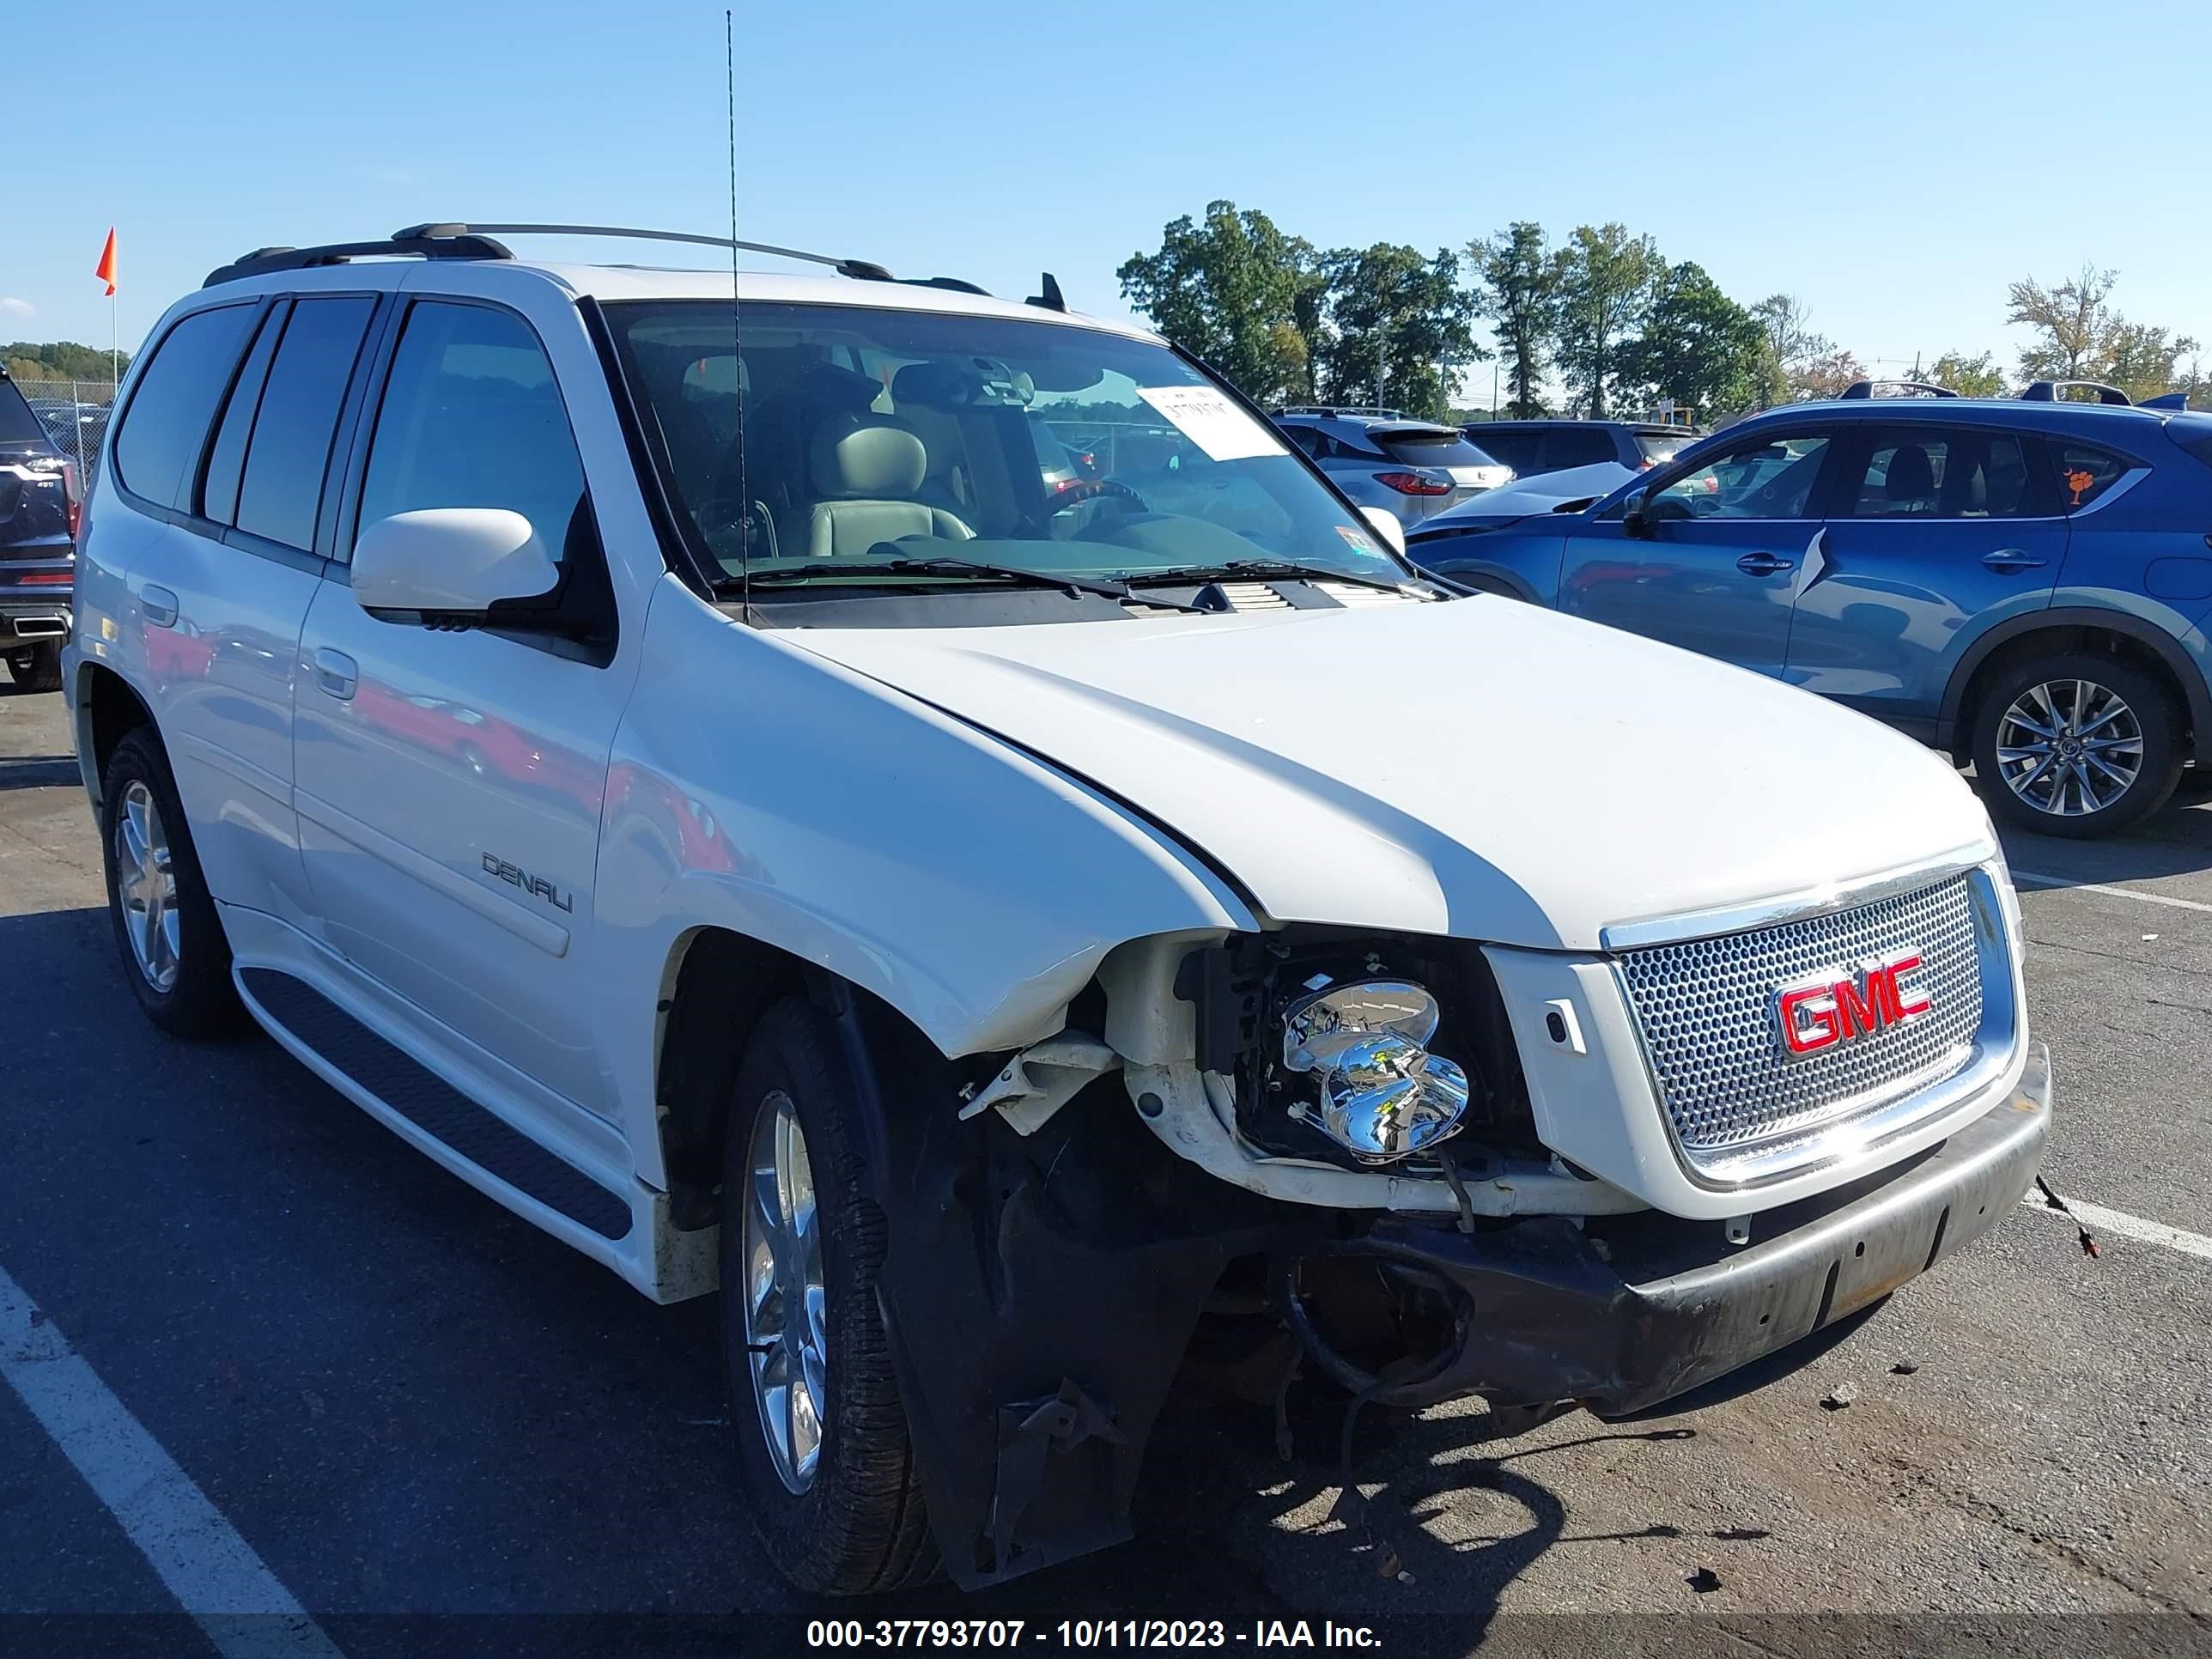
x: 1212, y: 421
x: 1358, y: 541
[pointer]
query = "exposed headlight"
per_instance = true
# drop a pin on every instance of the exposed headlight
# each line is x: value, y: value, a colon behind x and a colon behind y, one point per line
x: 1383, y: 1095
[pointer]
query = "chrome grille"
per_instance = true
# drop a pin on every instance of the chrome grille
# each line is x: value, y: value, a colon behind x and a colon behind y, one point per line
x: 1706, y: 1009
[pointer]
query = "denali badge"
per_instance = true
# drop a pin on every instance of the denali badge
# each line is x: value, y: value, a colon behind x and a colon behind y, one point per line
x: 1836, y: 1006
x: 536, y: 886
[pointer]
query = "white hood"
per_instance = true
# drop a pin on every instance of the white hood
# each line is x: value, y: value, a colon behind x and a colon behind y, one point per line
x: 1481, y: 769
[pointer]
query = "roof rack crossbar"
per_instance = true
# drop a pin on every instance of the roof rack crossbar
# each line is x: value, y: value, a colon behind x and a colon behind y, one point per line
x: 419, y: 241
x: 1859, y: 389
x: 865, y: 269
x: 2047, y: 391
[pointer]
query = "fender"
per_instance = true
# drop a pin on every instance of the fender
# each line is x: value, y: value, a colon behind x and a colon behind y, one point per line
x: 2187, y: 673
x: 1482, y: 575
x: 758, y: 788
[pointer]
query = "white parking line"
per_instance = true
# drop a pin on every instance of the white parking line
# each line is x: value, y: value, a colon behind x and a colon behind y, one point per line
x: 212, y: 1572
x: 2034, y: 880
x: 2099, y: 1219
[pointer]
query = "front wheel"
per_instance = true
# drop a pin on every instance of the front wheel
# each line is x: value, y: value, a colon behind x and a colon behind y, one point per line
x: 2076, y: 745
x: 37, y: 668
x: 823, y: 1448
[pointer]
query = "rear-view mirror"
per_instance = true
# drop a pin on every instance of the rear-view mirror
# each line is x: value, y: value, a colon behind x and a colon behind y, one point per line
x: 452, y: 561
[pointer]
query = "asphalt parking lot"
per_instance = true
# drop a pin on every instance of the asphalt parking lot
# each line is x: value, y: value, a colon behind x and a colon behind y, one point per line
x: 401, y: 1400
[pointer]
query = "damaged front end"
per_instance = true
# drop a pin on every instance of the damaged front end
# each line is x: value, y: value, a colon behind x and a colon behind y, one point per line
x: 1309, y: 1149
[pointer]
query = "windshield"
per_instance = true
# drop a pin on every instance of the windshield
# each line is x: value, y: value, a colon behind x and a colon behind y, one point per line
x: 871, y: 435
x: 1657, y: 446
x: 1442, y: 447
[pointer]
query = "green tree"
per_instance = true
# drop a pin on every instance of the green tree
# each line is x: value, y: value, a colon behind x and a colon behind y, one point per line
x: 61, y: 360
x: 1698, y: 347
x: 1227, y: 289
x: 1394, y: 312
x: 1603, y: 278
x: 2144, y: 361
x: 2072, y: 326
x: 1794, y: 347
x: 1517, y: 287
x: 1970, y: 377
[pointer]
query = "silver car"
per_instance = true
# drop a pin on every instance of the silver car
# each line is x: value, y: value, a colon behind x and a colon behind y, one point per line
x: 1414, y: 469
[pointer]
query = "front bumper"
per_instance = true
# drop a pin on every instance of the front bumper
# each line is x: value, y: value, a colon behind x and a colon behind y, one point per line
x: 1639, y: 1309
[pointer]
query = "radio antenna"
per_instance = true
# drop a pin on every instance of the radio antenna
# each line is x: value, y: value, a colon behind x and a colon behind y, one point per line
x: 737, y: 334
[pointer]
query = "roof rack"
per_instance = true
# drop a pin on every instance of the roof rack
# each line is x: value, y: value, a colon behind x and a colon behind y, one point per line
x: 458, y: 241
x: 1371, y: 411
x: 865, y: 269
x: 417, y: 241
x: 1861, y: 389
x: 2046, y: 391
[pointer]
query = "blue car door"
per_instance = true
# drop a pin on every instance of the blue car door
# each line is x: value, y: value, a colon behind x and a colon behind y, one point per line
x: 1712, y: 565
x: 1940, y: 531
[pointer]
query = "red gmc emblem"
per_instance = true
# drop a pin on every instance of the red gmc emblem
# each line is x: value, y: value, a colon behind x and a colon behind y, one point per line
x: 1837, y: 1007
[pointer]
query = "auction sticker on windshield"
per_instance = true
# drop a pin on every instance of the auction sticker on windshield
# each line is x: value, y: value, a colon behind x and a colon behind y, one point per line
x: 1209, y: 420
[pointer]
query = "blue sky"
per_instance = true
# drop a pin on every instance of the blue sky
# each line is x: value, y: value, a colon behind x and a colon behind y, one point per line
x: 1894, y: 165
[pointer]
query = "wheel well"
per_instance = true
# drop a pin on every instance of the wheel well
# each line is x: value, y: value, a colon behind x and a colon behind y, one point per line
x: 718, y: 985
x: 109, y: 710
x: 2050, y: 642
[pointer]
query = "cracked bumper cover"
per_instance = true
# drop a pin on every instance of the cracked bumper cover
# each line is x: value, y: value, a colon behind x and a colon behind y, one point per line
x: 1669, y: 1306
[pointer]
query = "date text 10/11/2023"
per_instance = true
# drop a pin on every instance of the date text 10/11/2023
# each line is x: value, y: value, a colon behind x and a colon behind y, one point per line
x: 1086, y: 1634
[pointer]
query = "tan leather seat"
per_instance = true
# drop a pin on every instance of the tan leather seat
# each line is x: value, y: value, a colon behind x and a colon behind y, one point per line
x: 866, y: 471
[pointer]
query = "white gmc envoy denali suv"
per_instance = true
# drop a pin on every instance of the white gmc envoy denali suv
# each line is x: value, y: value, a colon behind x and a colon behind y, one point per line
x: 923, y: 812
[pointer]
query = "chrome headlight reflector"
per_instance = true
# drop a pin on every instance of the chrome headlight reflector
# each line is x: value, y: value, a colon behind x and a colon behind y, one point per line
x: 1383, y: 1095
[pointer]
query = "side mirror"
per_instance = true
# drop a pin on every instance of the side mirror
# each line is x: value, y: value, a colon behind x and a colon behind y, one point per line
x: 1384, y: 523
x: 1635, y: 514
x: 452, y: 561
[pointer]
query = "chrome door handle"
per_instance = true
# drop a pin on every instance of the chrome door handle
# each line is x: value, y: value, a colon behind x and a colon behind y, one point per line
x: 336, y: 672
x: 1764, y: 564
x: 2010, y: 559
x: 159, y: 604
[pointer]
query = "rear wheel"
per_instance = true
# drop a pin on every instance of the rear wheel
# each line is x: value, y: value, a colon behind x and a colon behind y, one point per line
x: 36, y: 667
x: 166, y: 930
x: 2076, y: 745
x: 823, y: 1448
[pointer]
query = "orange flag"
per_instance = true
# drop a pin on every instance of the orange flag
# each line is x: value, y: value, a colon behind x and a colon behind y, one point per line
x: 105, y: 268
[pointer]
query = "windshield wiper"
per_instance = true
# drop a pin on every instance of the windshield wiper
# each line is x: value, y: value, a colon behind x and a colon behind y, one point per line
x: 946, y: 566
x: 1263, y: 570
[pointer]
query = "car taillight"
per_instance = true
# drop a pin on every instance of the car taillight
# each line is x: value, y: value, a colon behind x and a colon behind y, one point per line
x: 73, y: 488
x: 1414, y: 483
x: 44, y: 579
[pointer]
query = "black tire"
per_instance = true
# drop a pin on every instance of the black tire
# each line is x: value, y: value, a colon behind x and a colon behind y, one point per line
x: 2150, y: 704
x: 36, y: 667
x: 200, y: 1001
x: 860, y: 1525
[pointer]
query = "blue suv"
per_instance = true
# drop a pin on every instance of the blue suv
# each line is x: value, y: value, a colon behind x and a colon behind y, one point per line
x: 2022, y: 582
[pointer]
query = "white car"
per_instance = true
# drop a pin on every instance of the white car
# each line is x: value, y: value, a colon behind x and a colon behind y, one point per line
x: 732, y: 807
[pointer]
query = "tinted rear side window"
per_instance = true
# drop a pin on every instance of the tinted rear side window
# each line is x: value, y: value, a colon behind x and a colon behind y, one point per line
x: 167, y: 424
x: 17, y: 424
x: 2084, y: 474
x: 1577, y: 446
x: 1518, y: 450
x: 298, y: 415
x: 1932, y: 472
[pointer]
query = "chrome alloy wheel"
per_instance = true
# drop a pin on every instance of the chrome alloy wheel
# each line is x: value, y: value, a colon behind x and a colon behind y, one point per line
x: 2070, y: 747
x: 145, y: 887
x: 786, y: 1333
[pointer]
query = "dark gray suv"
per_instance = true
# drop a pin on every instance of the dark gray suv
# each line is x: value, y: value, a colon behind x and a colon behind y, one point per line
x: 1532, y: 447
x: 39, y: 498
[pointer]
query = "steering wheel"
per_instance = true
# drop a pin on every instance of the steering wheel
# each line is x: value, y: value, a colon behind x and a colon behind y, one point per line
x: 1074, y: 495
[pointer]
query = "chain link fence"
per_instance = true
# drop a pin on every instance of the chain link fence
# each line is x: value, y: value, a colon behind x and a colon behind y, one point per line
x: 74, y: 413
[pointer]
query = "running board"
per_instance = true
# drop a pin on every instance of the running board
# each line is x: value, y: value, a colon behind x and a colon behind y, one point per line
x: 410, y: 1089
